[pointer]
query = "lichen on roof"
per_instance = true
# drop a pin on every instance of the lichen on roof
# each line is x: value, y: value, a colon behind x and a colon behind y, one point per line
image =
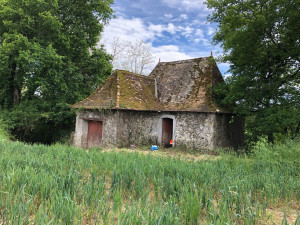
x: 123, y: 90
x: 184, y: 85
x: 137, y: 92
x: 103, y: 98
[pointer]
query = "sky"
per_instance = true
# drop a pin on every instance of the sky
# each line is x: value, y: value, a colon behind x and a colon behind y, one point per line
x: 173, y: 29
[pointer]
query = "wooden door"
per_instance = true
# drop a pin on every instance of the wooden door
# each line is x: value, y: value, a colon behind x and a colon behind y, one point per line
x: 167, y: 132
x: 94, y: 133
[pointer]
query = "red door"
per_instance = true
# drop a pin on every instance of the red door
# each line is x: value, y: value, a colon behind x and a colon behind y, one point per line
x: 167, y: 132
x: 94, y: 133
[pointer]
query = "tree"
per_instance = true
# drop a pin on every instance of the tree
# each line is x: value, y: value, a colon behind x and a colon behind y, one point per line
x: 135, y: 56
x: 261, y: 41
x: 48, y: 61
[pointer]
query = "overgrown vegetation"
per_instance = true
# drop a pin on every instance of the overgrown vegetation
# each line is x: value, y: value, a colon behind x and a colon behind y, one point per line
x: 3, y: 131
x: 260, y: 40
x: 63, y: 185
x: 48, y: 61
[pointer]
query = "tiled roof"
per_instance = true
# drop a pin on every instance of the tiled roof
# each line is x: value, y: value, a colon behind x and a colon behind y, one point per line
x: 187, y: 85
x: 123, y: 90
x: 184, y: 85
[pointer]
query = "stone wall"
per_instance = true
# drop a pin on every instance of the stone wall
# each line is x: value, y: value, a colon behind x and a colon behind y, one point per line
x: 194, y: 130
x: 229, y: 131
x: 191, y: 130
x: 109, y: 130
x: 137, y: 127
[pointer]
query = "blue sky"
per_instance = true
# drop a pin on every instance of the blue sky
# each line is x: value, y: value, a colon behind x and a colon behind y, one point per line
x: 173, y: 29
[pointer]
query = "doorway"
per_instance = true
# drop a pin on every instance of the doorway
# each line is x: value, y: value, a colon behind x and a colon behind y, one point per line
x: 167, y: 132
x: 94, y: 137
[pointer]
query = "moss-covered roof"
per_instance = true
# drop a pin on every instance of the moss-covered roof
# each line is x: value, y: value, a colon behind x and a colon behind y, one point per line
x: 123, y: 90
x: 184, y: 85
x: 187, y: 85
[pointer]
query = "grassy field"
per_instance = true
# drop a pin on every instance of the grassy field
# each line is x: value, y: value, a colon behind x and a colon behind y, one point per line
x: 65, y: 185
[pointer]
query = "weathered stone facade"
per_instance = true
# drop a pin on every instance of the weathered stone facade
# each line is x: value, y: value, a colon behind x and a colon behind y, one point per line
x: 109, y: 132
x: 174, y: 103
x: 191, y: 130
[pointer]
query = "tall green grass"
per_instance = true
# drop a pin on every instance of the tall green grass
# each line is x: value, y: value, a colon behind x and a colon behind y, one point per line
x: 65, y: 185
x: 3, y: 131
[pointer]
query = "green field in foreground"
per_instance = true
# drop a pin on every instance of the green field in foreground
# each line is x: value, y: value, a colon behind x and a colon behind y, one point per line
x: 65, y: 185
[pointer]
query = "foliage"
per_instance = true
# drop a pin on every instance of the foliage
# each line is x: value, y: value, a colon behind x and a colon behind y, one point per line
x: 3, y: 131
x: 288, y: 151
x: 63, y: 185
x: 261, y: 41
x: 48, y: 60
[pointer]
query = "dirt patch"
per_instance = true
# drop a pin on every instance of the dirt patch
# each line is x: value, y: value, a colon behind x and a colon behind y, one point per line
x: 194, y: 156
x: 275, y: 215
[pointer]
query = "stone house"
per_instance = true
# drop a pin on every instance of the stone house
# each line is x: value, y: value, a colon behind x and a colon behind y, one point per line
x: 174, y: 102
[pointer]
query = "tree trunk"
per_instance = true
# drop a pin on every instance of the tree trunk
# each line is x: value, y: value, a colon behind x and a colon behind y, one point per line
x: 14, y: 89
x: 297, y: 129
x: 271, y: 138
x: 17, y: 96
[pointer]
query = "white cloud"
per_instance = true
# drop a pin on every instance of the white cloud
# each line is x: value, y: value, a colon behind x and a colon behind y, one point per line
x: 171, y: 28
x: 200, y: 54
x: 227, y: 75
x: 186, y: 5
x: 157, y: 29
x: 199, y: 33
x: 203, y: 16
x: 197, y: 22
x: 180, y: 18
x: 128, y: 30
x: 168, y: 53
x: 204, y: 42
x: 188, y: 31
x: 183, y: 17
x: 136, y: 29
x: 197, y: 40
x: 168, y: 16
x: 210, y: 30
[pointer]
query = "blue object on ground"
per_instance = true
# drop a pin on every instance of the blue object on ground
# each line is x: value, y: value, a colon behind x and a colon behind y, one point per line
x: 154, y: 147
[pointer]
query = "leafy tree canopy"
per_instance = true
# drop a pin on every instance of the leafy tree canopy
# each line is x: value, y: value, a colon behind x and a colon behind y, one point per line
x: 261, y: 41
x: 48, y: 61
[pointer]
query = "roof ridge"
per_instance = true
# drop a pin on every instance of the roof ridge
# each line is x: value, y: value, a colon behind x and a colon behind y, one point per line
x: 159, y: 64
x: 184, y: 60
x: 135, y: 74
